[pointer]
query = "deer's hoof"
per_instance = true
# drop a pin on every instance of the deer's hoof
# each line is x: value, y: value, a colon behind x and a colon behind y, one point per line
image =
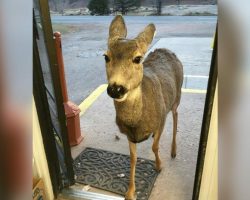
x: 158, y: 166
x: 173, y: 155
x: 173, y: 151
x: 130, y: 196
x: 158, y: 169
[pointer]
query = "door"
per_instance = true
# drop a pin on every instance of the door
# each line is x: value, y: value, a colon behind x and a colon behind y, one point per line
x: 49, y: 101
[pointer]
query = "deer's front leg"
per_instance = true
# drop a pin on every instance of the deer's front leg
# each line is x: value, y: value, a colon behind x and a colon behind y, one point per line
x: 155, y: 149
x: 130, y: 195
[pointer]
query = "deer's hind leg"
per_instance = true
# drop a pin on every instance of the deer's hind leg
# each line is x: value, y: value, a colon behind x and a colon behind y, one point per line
x: 175, y: 120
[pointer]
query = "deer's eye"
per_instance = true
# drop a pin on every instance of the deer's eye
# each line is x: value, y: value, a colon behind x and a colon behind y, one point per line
x: 107, y: 59
x: 137, y: 59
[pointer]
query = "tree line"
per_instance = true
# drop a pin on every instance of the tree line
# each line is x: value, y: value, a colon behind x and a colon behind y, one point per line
x: 105, y: 7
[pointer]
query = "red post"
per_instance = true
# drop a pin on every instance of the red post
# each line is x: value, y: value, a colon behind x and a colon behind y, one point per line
x: 71, y: 110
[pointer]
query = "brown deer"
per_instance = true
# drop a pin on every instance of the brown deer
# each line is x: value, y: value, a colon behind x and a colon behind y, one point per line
x: 143, y: 91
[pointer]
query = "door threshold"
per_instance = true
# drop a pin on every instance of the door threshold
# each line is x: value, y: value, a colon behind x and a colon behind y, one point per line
x: 73, y: 194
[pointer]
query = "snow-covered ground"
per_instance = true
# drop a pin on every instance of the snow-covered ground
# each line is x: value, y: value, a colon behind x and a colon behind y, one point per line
x: 190, y: 10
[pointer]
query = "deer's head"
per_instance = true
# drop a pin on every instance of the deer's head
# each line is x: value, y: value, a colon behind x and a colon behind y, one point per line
x: 124, y: 58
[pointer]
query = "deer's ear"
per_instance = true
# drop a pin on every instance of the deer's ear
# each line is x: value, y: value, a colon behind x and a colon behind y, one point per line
x: 117, y: 29
x: 145, y: 38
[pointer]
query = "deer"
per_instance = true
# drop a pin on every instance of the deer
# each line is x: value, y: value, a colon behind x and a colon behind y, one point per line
x: 144, y: 90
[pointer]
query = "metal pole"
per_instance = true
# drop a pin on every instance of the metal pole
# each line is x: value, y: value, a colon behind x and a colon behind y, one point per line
x: 58, y: 43
x: 72, y: 111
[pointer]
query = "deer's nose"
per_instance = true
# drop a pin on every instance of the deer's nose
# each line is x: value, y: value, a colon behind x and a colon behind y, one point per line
x: 116, y: 91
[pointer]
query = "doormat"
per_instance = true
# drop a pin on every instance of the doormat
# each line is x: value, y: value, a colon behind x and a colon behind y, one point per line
x: 110, y: 171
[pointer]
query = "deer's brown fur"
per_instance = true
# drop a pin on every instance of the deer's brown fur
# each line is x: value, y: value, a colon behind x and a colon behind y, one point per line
x: 153, y: 88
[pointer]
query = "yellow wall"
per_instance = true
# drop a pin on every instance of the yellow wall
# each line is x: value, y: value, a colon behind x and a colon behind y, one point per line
x: 209, y: 183
x: 40, y: 166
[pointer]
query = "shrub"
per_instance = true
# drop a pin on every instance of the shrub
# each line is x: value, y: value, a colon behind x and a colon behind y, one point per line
x: 98, y: 7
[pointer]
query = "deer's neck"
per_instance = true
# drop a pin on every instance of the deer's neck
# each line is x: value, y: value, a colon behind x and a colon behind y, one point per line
x: 130, y: 110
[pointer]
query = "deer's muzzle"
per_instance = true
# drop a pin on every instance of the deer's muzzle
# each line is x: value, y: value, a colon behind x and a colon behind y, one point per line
x: 116, y: 91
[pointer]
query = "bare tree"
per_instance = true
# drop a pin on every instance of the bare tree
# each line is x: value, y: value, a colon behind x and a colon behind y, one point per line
x: 59, y: 5
x: 158, y: 6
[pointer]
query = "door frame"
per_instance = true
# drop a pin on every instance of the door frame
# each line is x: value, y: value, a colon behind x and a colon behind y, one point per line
x: 207, y: 113
x: 42, y: 105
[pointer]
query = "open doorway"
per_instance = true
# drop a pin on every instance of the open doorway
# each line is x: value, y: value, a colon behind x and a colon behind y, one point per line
x: 84, y: 40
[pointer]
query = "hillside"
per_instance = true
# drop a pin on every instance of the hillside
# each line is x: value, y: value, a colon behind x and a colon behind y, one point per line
x: 59, y: 5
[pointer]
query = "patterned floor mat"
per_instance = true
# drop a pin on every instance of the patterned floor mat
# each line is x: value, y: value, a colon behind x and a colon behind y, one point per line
x: 110, y: 171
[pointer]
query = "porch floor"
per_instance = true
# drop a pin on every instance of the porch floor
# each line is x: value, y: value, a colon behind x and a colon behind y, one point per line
x: 176, y: 179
